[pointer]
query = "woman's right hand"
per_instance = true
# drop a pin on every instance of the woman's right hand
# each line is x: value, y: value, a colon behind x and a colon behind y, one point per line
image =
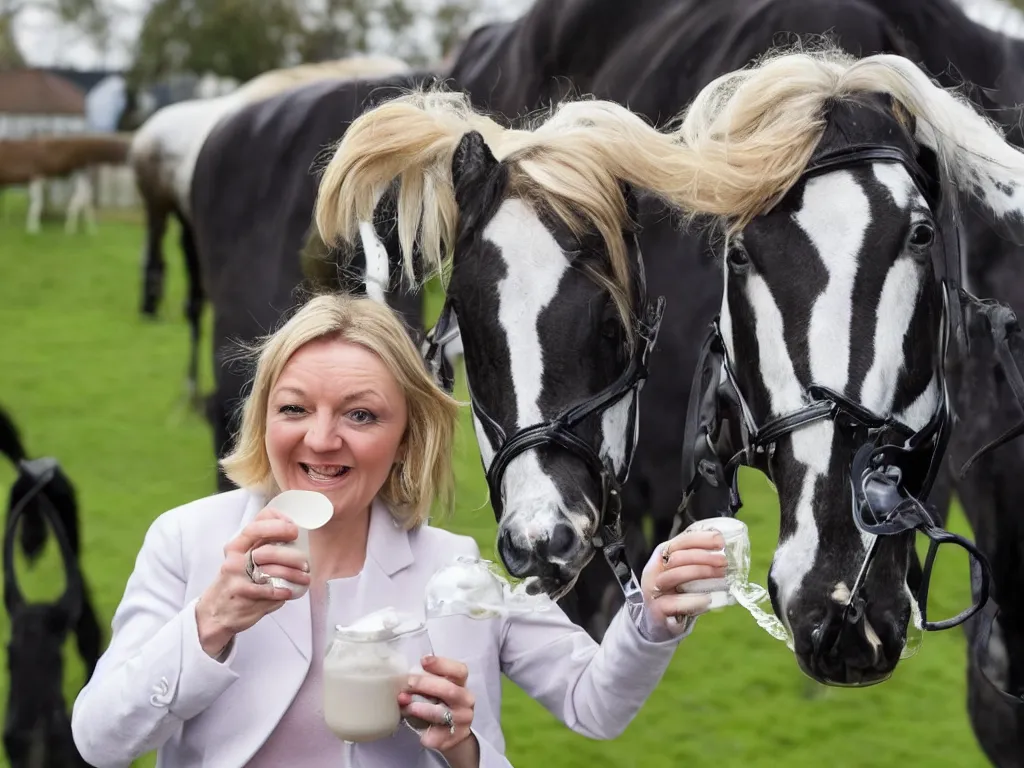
x: 233, y: 602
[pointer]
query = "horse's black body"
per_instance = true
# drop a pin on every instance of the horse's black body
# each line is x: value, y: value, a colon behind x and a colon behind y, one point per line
x: 253, y: 194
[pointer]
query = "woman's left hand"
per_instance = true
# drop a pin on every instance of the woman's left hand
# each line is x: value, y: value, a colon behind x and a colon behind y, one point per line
x: 444, y: 680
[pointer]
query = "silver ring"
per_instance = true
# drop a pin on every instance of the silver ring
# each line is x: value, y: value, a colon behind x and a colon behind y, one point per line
x: 256, y: 576
x: 449, y: 720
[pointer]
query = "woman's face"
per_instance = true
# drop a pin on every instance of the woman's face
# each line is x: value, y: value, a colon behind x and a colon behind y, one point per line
x: 335, y: 423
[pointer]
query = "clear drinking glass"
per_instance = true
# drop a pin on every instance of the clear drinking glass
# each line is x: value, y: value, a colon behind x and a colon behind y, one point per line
x: 737, y: 556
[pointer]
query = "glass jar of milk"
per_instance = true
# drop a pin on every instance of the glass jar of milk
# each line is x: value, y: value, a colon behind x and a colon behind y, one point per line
x: 366, y: 665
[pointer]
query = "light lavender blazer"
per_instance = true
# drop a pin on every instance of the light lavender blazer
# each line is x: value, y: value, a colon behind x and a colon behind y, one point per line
x: 155, y: 688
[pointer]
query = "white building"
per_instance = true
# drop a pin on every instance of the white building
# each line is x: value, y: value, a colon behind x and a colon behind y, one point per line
x: 33, y: 101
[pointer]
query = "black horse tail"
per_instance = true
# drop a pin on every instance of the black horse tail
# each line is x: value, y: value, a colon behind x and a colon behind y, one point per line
x: 33, y: 529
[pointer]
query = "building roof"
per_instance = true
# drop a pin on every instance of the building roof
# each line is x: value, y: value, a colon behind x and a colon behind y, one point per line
x: 37, y: 92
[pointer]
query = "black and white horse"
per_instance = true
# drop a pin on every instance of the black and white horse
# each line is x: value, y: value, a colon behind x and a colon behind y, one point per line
x: 841, y: 293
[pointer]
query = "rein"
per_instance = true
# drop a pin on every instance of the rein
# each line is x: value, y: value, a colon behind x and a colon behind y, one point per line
x: 42, y: 471
x: 558, y: 431
x: 722, y: 433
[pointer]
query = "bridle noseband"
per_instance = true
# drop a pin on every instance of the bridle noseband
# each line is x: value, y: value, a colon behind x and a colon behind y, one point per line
x: 722, y: 433
x: 559, y: 431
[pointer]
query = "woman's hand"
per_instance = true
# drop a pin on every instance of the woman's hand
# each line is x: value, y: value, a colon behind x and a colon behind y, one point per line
x: 233, y: 602
x: 688, y: 557
x: 444, y: 680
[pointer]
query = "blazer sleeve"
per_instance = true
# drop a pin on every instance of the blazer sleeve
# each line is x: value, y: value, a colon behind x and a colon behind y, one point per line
x: 596, y: 690
x: 154, y: 675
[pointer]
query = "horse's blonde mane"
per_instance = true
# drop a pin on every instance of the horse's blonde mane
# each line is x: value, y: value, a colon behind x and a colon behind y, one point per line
x: 752, y: 132
x: 742, y: 144
x: 274, y: 81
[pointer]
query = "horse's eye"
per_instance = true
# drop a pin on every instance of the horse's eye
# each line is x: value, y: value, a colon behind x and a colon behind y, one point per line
x: 921, y: 235
x: 737, y: 258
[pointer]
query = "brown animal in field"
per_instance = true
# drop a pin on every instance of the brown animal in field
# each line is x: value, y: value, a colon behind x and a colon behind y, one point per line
x: 22, y: 160
x: 33, y: 160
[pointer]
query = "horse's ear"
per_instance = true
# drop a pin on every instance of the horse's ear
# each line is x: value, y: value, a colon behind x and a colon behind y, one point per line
x: 473, y: 164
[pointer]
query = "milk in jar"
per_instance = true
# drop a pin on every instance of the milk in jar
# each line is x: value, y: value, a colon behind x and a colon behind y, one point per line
x: 365, y: 669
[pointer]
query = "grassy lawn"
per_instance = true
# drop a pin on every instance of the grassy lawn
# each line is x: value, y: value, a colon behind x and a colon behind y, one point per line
x: 93, y: 384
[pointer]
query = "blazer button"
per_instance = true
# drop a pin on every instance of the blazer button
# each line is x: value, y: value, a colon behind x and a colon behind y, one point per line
x: 161, y: 697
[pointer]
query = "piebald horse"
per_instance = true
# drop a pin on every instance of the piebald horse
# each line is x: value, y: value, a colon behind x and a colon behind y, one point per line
x: 163, y: 156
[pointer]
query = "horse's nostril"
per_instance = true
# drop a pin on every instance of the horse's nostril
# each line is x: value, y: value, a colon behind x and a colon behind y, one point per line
x: 517, y: 558
x: 562, y: 541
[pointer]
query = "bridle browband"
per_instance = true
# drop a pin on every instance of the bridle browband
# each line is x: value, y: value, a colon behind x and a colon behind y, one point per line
x: 559, y: 431
x: 722, y: 433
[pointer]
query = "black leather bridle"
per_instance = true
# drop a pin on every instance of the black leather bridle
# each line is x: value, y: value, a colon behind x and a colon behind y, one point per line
x: 559, y: 430
x: 722, y: 433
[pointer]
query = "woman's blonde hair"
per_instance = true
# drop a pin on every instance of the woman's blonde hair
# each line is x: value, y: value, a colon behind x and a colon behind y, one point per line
x: 424, y: 474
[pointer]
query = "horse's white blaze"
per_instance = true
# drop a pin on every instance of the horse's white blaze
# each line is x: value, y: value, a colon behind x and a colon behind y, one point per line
x: 896, y: 304
x: 838, y: 240
x: 534, y: 267
x: 377, y: 264
x: 834, y: 215
x: 811, y: 445
x: 896, y: 179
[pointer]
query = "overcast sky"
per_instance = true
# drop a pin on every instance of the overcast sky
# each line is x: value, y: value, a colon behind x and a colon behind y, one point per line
x: 48, y: 44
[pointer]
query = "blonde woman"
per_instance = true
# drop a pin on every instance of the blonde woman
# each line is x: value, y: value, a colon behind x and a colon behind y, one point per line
x: 211, y: 666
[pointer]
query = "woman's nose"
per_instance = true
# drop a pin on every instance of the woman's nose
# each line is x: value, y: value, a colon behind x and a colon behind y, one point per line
x: 323, y: 435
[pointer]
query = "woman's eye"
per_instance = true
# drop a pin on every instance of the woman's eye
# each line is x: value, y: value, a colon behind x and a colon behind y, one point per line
x: 362, y: 416
x: 291, y: 409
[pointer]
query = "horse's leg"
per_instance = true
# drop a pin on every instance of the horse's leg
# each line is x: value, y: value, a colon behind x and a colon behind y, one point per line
x: 36, y: 198
x: 153, y: 257
x: 78, y: 202
x: 230, y: 388
x: 193, y: 308
x: 89, y: 207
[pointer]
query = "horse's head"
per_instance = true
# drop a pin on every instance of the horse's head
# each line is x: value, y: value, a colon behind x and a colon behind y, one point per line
x: 546, y: 288
x: 831, y: 299
x: 555, y: 356
x: 826, y: 368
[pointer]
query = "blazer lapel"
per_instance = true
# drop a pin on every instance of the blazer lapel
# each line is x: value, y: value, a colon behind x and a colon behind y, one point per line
x: 387, y: 553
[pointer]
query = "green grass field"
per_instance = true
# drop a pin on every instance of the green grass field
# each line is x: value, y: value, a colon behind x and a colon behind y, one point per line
x: 93, y: 384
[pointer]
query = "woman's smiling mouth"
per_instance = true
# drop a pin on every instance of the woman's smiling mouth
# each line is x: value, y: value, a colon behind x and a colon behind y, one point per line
x: 324, y: 473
